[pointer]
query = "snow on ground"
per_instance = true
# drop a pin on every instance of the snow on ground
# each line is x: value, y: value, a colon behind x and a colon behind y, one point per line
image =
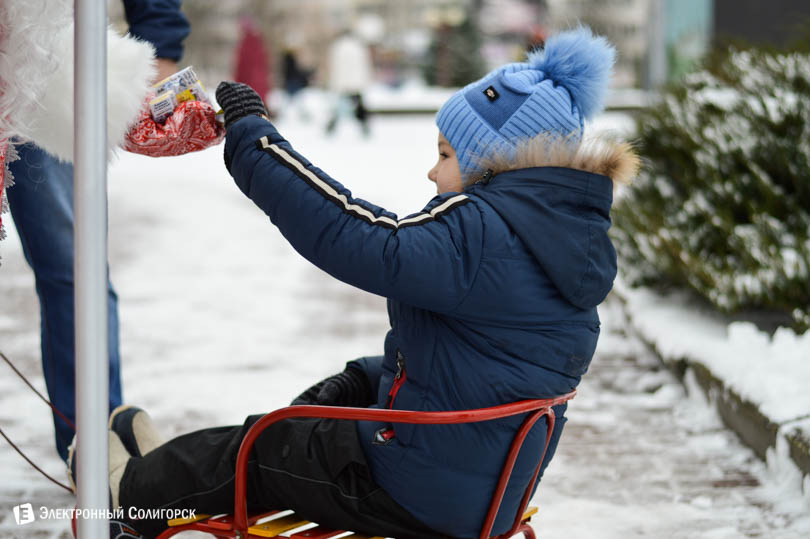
x: 771, y: 372
x: 220, y: 318
x: 641, y: 457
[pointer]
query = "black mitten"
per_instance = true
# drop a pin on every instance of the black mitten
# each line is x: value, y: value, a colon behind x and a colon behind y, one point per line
x: 238, y: 100
x: 348, y: 388
x: 310, y: 396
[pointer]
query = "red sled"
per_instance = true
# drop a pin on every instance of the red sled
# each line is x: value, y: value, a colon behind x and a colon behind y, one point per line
x: 276, y: 524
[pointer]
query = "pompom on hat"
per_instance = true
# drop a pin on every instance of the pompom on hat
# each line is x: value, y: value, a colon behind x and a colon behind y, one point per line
x: 553, y: 92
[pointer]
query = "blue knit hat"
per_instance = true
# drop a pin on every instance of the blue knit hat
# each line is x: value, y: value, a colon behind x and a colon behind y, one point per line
x: 553, y: 92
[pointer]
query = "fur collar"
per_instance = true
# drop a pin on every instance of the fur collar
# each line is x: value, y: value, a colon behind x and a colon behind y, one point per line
x: 598, y: 154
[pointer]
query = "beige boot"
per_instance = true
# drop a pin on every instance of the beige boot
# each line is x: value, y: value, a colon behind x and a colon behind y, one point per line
x: 135, y: 429
x: 119, y: 456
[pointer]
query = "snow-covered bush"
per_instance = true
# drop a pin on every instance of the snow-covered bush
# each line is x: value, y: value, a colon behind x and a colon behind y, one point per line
x: 723, y: 204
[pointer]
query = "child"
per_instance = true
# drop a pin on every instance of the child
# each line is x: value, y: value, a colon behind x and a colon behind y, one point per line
x: 492, y: 292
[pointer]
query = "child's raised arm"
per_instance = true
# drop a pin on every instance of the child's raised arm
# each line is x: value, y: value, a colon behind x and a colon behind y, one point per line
x: 428, y: 260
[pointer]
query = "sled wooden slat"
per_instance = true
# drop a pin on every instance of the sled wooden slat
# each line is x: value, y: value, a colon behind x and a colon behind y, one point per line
x: 274, y: 528
x: 180, y: 521
x: 316, y: 533
x: 530, y: 511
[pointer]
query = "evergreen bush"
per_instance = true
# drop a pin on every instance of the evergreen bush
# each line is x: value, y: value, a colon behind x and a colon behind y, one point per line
x: 722, y: 205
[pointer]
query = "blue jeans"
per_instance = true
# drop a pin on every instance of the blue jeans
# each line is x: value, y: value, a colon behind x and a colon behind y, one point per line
x: 41, y: 202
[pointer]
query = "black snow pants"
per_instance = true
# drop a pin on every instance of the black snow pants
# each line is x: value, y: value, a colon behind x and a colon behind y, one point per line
x: 315, y: 467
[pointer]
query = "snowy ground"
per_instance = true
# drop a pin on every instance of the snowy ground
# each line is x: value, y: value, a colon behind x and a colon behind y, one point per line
x: 221, y: 318
x: 770, y: 371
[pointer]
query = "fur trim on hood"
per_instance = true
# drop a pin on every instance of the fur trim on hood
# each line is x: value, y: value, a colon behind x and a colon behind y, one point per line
x: 36, y: 76
x: 597, y: 154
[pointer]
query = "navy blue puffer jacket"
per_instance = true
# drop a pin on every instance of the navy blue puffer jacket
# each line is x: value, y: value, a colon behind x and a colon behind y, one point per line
x: 161, y: 23
x: 492, y: 299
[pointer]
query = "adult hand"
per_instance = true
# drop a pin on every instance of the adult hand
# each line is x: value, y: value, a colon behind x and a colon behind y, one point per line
x: 165, y: 68
x: 239, y: 100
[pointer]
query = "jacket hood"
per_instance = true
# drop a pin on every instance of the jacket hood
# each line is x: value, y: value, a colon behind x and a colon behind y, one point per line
x: 560, y: 209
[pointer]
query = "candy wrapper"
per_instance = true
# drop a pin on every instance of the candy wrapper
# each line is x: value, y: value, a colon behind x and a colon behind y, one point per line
x: 171, y: 91
x: 179, y: 118
x: 7, y: 155
x: 191, y: 127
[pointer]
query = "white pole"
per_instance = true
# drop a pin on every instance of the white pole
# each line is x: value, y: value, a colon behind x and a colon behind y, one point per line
x: 90, y: 266
x: 657, y: 64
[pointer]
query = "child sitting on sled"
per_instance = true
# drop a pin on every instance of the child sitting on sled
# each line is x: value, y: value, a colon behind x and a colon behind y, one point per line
x: 492, y: 292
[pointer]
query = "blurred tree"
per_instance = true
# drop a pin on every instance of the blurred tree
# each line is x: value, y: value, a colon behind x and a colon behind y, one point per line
x: 454, y: 57
x: 802, y: 41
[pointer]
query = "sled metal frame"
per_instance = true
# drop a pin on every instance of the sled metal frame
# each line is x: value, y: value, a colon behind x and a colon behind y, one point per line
x: 242, y: 526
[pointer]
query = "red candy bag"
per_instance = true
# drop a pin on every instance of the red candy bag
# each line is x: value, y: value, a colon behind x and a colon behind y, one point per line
x: 191, y: 127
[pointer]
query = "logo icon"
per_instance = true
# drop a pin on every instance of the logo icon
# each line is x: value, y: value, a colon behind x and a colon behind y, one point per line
x: 491, y: 93
x: 24, y: 514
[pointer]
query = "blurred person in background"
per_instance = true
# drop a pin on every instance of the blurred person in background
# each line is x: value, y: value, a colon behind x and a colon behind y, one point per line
x: 350, y: 73
x: 253, y: 60
x: 41, y: 203
x: 296, y: 78
x: 536, y: 38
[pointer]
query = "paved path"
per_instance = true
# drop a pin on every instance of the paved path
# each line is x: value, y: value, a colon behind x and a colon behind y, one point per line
x: 639, y: 458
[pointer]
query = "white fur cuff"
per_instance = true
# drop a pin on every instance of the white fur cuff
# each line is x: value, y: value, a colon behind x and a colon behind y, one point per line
x: 130, y: 71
